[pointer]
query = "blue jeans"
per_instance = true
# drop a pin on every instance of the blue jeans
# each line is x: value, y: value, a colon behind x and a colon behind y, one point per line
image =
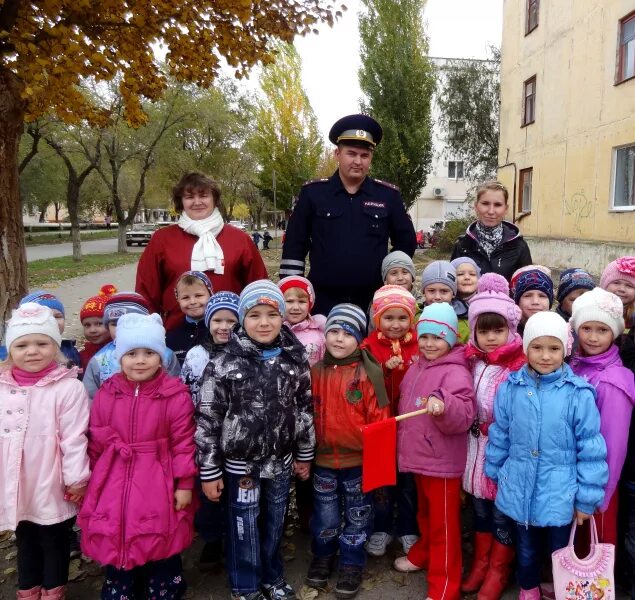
x: 404, y: 494
x: 488, y: 519
x: 254, y: 516
x: 531, y: 544
x: 208, y: 520
x: 337, y: 491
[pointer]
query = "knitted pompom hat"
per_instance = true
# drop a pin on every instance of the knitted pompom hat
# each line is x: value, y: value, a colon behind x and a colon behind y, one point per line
x: 493, y: 297
x: 601, y: 306
x: 29, y: 318
x: 94, y: 306
x: 261, y: 292
x: 397, y: 258
x: 622, y: 268
x: 140, y: 331
x: 550, y: 324
x: 44, y: 298
x: 392, y: 296
x: 349, y: 317
x: 297, y: 281
x: 221, y: 301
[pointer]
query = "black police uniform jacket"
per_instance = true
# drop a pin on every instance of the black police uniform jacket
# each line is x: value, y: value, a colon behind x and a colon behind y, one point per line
x: 345, y: 235
x: 255, y: 414
x: 512, y: 253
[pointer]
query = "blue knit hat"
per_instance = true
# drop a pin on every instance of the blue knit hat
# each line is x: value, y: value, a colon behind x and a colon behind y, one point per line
x: 221, y: 301
x: 439, y: 319
x: 123, y: 303
x: 44, y: 299
x: 462, y: 260
x: 533, y: 280
x: 204, y: 279
x: 140, y: 331
x: 571, y: 280
x: 439, y: 271
x: 260, y: 292
x: 349, y: 317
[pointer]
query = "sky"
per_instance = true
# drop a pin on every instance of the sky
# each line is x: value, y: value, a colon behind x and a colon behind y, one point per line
x: 330, y: 60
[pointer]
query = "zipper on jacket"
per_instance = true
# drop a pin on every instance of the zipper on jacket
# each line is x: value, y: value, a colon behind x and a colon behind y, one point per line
x: 124, y: 500
x: 533, y: 487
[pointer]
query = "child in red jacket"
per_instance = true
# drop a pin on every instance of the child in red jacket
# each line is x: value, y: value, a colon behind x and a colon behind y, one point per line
x: 394, y: 344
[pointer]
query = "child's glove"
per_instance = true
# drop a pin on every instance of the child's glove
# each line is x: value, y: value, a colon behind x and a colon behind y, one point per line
x: 182, y: 499
x: 213, y: 489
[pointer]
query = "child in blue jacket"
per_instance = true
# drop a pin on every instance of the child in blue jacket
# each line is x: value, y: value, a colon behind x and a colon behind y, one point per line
x: 545, y: 449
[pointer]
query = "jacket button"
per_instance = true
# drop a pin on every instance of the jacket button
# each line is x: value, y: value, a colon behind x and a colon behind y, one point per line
x: 8, y: 412
x: 290, y: 372
x: 530, y: 393
x: 238, y: 375
x: 20, y: 411
x: 328, y: 214
x: 18, y: 428
x: 13, y: 391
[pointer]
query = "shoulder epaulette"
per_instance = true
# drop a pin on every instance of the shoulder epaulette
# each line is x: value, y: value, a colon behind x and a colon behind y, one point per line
x: 311, y: 181
x: 392, y: 186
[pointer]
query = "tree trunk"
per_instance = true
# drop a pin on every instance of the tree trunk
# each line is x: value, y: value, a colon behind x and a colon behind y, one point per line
x: 42, y: 215
x: 121, y: 238
x: 13, y: 280
x: 77, y: 242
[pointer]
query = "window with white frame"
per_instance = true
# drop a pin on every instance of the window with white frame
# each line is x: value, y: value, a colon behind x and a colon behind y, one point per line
x: 455, y: 169
x: 624, y: 177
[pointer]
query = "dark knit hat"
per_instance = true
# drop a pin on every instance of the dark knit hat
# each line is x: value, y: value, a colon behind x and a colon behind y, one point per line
x: 204, y: 279
x: 221, y: 301
x: 571, y: 280
x: 533, y: 280
x: 350, y: 318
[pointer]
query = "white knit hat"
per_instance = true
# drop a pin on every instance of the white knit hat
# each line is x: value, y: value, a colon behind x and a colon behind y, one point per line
x: 32, y: 318
x: 548, y: 324
x: 140, y: 331
x: 598, y: 305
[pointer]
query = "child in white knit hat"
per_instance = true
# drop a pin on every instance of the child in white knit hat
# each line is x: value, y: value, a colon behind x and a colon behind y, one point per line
x: 44, y: 464
x: 545, y: 449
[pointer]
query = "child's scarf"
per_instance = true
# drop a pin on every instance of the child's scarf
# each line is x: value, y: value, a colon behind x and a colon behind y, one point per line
x: 395, y: 346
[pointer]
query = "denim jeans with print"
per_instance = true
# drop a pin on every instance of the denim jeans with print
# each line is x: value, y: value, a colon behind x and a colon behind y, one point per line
x: 337, y: 491
x: 254, y: 511
x: 488, y: 519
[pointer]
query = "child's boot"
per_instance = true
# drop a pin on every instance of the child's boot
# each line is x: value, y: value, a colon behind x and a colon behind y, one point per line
x: 348, y: 582
x: 35, y: 593
x: 476, y: 576
x: 499, y: 572
x: 58, y: 593
x: 532, y: 594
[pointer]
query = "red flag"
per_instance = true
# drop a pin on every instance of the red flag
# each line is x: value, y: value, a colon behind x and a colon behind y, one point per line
x: 379, y: 466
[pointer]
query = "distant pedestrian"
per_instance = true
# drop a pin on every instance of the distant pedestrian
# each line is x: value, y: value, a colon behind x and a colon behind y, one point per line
x: 256, y: 237
x: 108, y: 221
x: 266, y: 238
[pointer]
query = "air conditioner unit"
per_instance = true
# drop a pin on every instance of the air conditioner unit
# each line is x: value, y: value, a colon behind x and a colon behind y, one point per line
x: 438, y: 192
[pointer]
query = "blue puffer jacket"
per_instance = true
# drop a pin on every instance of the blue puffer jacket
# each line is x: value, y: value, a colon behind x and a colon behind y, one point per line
x: 545, y: 449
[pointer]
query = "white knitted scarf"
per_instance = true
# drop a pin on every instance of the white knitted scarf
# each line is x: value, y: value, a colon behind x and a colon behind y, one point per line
x: 207, y: 255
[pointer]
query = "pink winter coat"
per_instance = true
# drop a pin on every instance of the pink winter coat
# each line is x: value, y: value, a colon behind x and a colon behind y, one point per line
x: 141, y: 447
x: 310, y: 333
x: 42, y: 447
x: 436, y: 446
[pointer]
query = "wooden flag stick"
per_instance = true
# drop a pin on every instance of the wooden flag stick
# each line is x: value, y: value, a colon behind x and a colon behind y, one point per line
x: 414, y: 413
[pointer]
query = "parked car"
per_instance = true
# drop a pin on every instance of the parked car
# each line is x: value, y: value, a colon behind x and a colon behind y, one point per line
x: 239, y: 224
x: 140, y: 233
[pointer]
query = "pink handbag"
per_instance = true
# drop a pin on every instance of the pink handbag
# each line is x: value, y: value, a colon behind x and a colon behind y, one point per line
x: 589, y: 578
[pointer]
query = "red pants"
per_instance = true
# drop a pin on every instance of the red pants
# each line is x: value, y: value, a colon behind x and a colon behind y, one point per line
x: 439, y: 547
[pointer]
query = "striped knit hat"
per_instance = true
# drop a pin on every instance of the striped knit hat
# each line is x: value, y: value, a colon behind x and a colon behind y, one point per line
x: 124, y: 303
x: 350, y: 318
x: 297, y: 281
x: 258, y: 293
x: 44, y: 298
x: 221, y: 301
x: 518, y: 272
x: 392, y: 296
x: 204, y: 279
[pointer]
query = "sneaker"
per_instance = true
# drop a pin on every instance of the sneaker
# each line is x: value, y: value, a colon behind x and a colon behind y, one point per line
x: 348, y: 582
x: 377, y: 543
x: 249, y: 596
x: 73, y: 542
x: 279, y: 591
x: 319, y: 570
x: 403, y: 565
x: 408, y: 541
x: 211, y: 556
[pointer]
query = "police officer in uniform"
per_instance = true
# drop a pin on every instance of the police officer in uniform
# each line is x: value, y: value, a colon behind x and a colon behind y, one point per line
x: 344, y: 222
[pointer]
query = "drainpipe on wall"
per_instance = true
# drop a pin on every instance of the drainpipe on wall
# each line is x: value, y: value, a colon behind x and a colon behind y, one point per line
x: 511, y: 164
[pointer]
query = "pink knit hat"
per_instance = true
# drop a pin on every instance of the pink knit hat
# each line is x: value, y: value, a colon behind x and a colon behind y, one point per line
x: 622, y: 268
x: 297, y: 281
x: 493, y: 297
x: 392, y: 296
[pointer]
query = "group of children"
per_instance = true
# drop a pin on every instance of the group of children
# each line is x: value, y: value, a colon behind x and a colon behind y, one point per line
x: 534, y: 436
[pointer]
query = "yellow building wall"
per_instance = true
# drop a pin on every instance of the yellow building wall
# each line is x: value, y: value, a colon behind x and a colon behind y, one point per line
x: 581, y: 115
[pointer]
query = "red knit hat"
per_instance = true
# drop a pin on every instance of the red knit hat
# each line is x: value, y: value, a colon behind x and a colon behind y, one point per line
x: 94, y: 306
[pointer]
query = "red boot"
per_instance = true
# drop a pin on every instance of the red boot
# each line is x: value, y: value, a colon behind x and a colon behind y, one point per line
x: 58, y: 593
x: 499, y: 572
x: 32, y: 594
x: 482, y: 546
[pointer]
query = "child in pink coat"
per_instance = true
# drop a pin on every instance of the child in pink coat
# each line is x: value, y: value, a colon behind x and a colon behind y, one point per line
x: 138, y: 509
x: 43, y: 460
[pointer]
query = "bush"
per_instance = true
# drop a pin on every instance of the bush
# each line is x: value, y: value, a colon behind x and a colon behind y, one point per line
x: 454, y: 228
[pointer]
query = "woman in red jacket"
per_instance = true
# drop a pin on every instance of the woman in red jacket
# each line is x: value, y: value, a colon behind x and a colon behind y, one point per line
x: 199, y: 241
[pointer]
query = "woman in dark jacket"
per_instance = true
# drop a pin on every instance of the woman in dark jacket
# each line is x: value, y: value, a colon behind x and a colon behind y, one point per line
x: 494, y: 244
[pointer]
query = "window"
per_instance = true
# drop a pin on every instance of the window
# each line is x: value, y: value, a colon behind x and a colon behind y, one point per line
x: 529, y: 101
x: 624, y: 177
x: 531, y: 21
x: 455, y: 169
x: 524, y: 198
x: 626, y: 54
x: 456, y: 129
